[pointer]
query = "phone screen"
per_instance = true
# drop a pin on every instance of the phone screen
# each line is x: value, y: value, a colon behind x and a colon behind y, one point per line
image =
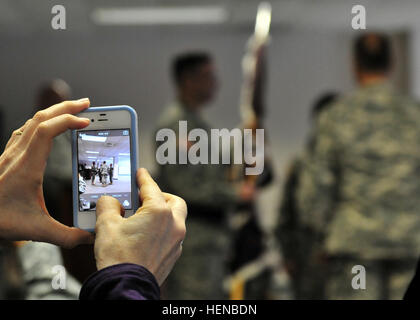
x: 104, y: 167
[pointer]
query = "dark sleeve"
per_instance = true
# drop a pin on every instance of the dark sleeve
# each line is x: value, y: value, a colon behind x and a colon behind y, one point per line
x: 267, y: 176
x: 413, y: 291
x: 124, y: 281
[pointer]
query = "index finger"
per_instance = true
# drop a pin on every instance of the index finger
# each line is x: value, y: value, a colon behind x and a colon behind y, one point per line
x: 39, y: 145
x: 149, y: 190
x: 65, y: 107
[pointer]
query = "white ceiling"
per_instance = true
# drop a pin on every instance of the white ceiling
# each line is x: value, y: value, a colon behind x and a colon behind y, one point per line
x: 108, y: 149
x: 24, y: 17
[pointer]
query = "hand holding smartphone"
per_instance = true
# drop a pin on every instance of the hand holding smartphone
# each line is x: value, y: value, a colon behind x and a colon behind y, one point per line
x: 105, y: 160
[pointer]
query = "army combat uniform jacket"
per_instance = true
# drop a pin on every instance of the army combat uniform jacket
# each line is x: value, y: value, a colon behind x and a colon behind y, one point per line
x: 360, y: 185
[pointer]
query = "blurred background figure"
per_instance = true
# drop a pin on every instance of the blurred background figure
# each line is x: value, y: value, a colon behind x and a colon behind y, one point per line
x: 359, y: 185
x: 111, y: 173
x: 59, y: 162
x: 255, y: 261
x: 199, y: 272
x: 11, y: 274
x: 26, y: 272
x: 27, y: 269
x: 79, y: 261
x: 296, y: 239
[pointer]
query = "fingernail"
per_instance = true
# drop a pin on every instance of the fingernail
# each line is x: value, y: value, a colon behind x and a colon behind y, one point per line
x: 83, y: 100
x: 85, y: 119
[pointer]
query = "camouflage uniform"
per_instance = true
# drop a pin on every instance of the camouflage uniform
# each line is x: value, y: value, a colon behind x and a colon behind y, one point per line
x: 297, y: 240
x: 199, y: 272
x: 29, y: 270
x: 359, y: 189
x: 39, y: 261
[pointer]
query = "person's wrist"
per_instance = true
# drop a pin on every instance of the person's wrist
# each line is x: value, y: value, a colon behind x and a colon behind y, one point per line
x: 107, y: 264
x: 103, y: 264
x: 112, y: 261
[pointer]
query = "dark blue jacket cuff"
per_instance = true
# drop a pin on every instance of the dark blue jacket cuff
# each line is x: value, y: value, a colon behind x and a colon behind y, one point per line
x: 124, y: 281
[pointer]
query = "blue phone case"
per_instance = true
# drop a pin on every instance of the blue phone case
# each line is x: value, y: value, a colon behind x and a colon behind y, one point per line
x: 133, y: 159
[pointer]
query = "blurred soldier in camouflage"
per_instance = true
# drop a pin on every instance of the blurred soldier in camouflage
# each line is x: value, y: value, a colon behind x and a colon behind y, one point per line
x: 199, y: 273
x: 359, y: 185
x: 296, y: 239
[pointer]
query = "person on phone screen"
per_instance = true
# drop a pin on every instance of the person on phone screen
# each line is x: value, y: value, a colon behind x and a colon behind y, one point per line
x: 104, y: 173
x: 93, y: 172
x: 111, y: 173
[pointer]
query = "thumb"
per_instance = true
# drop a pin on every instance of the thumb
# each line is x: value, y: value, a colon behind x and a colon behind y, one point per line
x: 109, y: 208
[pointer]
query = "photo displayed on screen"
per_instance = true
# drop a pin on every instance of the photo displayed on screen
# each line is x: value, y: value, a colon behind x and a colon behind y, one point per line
x: 104, y: 167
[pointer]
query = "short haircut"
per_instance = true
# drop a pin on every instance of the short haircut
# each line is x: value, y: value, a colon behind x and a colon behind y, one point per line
x: 187, y: 63
x: 372, y: 52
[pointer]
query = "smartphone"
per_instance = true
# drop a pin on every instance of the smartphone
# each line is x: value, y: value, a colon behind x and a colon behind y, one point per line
x: 105, y: 161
